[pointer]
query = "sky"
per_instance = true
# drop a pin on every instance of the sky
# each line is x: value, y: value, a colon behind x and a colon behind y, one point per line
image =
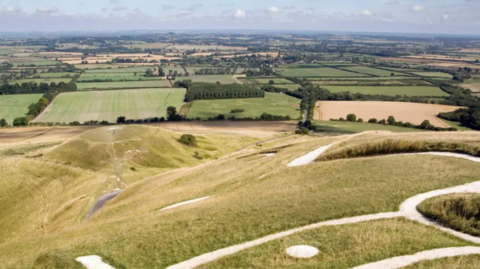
x: 396, y: 16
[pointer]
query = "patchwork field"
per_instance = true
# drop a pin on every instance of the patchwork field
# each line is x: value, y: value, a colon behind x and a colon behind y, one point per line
x: 390, y: 90
x: 414, y: 113
x: 41, y: 80
x: 123, y: 76
x: 108, y: 105
x: 13, y: 106
x: 276, y: 80
x: 119, y: 69
x: 124, y: 84
x: 433, y: 74
x: 55, y: 75
x: 273, y: 103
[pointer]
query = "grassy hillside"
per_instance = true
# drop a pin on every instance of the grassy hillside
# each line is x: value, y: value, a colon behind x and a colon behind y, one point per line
x: 251, y: 196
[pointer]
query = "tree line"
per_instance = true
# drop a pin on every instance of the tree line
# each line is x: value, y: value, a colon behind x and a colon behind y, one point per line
x: 468, y: 117
x: 208, y: 91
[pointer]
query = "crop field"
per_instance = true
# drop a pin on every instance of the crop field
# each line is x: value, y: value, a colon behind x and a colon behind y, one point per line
x: 41, y: 80
x: 124, y: 84
x: 108, y: 105
x: 472, y: 84
x: 223, y: 79
x: 205, y: 47
x: 318, y: 72
x: 433, y: 74
x: 273, y: 103
x: 363, y: 79
x: 239, y: 127
x: 414, y: 113
x: 372, y: 71
x: 390, y: 90
x: 345, y: 127
x: 13, y: 106
x: 291, y: 87
x: 276, y: 80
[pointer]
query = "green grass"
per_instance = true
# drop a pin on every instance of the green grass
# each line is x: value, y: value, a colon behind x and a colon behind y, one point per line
x: 366, y: 78
x: 457, y: 125
x: 124, y: 84
x: 55, y: 75
x: 460, y: 212
x: 139, y: 69
x: 40, y: 80
x: 343, y: 246
x: 223, y: 79
x: 372, y: 71
x: 292, y: 87
x: 356, y: 127
x: 318, y: 72
x: 273, y: 103
x: 433, y: 74
x: 115, y: 77
x: 389, y: 90
x: 108, y: 105
x: 461, y: 262
x: 276, y: 80
x: 13, y: 106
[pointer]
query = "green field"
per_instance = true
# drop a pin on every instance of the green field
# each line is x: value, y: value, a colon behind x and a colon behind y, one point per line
x: 40, y: 80
x: 55, y: 75
x: 13, y: 106
x: 433, y: 74
x: 292, y: 87
x: 273, y: 103
x: 119, y: 69
x: 372, y: 71
x: 223, y: 79
x: 108, y: 105
x: 276, y: 80
x: 365, y: 78
x: 318, y: 72
x: 115, y: 77
x: 389, y: 90
x: 124, y: 84
x: 345, y: 127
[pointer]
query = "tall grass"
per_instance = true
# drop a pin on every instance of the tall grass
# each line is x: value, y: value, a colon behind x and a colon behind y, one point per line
x: 396, y: 146
x: 460, y: 212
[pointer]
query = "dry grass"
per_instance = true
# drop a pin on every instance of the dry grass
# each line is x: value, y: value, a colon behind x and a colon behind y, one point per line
x: 462, y: 262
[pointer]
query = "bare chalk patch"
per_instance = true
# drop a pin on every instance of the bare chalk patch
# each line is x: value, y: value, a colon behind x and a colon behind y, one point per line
x: 302, y: 251
x: 93, y: 262
x: 309, y: 157
x: 185, y: 203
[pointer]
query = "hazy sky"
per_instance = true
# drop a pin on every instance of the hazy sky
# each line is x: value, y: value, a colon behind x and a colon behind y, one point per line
x: 414, y: 16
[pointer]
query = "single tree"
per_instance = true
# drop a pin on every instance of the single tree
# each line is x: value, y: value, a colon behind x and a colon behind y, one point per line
x: 391, y: 120
x: 3, y: 123
x: 271, y: 82
x: 352, y: 117
x: 121, y: 120
x: 149, y: 73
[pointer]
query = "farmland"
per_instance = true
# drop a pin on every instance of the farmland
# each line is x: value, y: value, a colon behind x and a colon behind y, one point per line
x: 223, y: 79
x: 273, y: 103
x: 124, y: 84
x: 13, y: 106
x: 371, y: 71
x: 108, y: 105
x: 120, y: 69
x: 41, y: 80
x: 433, y: 74
x: 275, y: 80
x: 406, y: 112
x: 114, y: 77
x: 390, y: 90
x: 318, y: 72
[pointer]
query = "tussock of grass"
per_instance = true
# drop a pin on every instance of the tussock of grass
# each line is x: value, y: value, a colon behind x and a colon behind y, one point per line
x: 460, y: 212
x: 56, y: 259
x: 397, y: 145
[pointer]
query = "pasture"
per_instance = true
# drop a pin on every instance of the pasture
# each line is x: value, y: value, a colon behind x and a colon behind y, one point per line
x: 273, y: 103
x: 108, y: 105
x: 364, y: 79
x: 13, y: 106
x: 275, y: 80
x: 318, y: 72
x: 414, y: 113
x: 433, y: 74
x: 40, y: 80
x: 121, y: 69
x: 124, y: 84
x: 55, y: 75
x: 346, y: 127
x: 390, y: 90
x: 372, y: 71
x: 223, y: 79
x: 115, y: 77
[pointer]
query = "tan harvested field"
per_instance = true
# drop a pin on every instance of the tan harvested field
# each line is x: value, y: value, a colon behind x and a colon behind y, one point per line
x: 474, y: 87
x: 41, y: 134
x: 414, y: 113
x: 103, y: 58
x: 241, y: 127
x: 205, y: 47
x: 430, y: 62
x: 444, y: 57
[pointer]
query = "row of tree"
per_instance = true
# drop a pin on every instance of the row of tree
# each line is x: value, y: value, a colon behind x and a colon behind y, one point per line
x: 468, y: 117
x: 207, y: 91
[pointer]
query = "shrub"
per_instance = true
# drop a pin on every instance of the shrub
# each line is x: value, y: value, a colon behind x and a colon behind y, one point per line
x: 372, y: 121
x: 21, y: 121
x: 360, y: 120
x: 382, y: 122
x: 352, y: 117
x: 189, y: 140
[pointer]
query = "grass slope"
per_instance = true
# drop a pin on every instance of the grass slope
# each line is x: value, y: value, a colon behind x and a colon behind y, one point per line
x: 108, y: 105
x: 13, y: 106
x: 273, y: 103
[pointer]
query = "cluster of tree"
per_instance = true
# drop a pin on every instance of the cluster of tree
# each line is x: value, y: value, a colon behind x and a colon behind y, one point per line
x: 237, y: 110
x: 426, y: 125
x: 189, y: 140
x: 124, y: 120
x: 62, y: 68
x: 207, y: 91
x: 263, y: 117
x: 128, y: 60
x: 214, y: 71
x: 467, y: 117
x: 31, y: 87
